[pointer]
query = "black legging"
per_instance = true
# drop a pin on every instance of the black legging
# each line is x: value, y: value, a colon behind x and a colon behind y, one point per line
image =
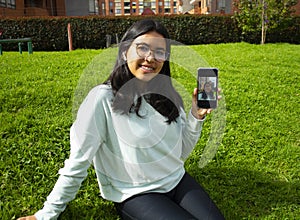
x: 186, y: 201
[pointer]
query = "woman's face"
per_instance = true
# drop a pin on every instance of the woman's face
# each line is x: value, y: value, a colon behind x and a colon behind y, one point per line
x: 146, y: 55
x: 207, y: 88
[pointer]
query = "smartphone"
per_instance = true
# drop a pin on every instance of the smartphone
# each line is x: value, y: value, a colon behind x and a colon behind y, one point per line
x: 207, y: 85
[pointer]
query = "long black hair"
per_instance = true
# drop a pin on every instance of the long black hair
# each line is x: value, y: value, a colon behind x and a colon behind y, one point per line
x: 159, y: 91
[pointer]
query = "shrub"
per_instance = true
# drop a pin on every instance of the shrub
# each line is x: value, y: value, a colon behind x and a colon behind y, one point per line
x: 50, y: 33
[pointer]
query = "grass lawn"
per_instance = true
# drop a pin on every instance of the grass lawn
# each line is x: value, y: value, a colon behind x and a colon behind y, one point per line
x: 254, y: 174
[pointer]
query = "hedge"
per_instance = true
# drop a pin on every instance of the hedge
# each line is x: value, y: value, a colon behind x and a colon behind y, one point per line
x: 50, y: 33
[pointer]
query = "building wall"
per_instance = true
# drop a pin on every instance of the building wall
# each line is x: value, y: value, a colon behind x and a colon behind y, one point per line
x: 28, y: 8
x: 216, y: 7
x: 60, y: 8
x: 77, y: 7
x: 17, y: 11
x: 297, y: 8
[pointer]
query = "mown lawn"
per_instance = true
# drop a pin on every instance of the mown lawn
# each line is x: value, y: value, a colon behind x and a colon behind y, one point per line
x: 254, y: 174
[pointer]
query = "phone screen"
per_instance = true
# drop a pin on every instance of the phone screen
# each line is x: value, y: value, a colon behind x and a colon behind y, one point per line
x: 207, y: 87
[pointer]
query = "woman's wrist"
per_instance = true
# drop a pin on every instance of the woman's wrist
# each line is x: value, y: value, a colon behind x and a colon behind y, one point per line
x: 197, y: 116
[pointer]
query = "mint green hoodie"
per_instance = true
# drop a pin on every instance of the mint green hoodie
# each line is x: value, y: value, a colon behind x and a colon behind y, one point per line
x: 130, y: 154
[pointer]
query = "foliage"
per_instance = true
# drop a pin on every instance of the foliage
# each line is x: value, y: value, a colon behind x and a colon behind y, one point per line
x: 262, y: 15
x: 255, y: 174
x: 50, y: 33
x: 290, y: 31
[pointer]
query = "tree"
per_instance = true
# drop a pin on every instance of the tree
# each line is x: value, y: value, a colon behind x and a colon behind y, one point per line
x: 262, y: 15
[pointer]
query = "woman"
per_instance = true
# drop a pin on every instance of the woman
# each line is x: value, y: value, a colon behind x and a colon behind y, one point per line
x: 134, y: 130
x: 207, y: 93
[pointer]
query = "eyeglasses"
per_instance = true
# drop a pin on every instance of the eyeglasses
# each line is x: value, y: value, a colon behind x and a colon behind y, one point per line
x: 143, y: 50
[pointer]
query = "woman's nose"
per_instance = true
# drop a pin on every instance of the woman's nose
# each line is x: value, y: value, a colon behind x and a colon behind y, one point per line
x: 150, y: 56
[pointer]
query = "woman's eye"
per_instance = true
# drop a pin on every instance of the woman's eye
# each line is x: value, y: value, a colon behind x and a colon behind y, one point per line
x: 143, y: 48
x: 160, y: 54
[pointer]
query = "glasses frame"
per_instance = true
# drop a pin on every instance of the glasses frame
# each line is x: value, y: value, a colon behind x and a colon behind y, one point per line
x: 151, y: 51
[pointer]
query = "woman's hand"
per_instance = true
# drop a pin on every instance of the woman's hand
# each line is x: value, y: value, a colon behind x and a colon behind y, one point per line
x: 197, y: 112
x: 31, y: 217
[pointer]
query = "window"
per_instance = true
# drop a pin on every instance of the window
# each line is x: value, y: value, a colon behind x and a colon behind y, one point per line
x: 11, y: 4
x: 222, y: 4
x: 93, y: 7
x: 167, y: 4
x: 103, y: 8
x: 3, y: 3
x: 33, y: 3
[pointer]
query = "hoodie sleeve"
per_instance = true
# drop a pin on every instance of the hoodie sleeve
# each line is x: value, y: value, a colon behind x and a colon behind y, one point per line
x: 86, y: 136
x: 191, y: 128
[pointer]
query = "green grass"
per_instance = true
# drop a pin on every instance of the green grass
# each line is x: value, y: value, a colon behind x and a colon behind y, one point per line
x: 255, y: 173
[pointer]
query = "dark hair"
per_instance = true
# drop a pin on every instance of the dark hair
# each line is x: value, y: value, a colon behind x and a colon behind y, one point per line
x: 159, y: 91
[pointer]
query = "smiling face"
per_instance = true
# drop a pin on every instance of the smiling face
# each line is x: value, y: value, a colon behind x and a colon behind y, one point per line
x: 146, y: 55
x: 207, y: 87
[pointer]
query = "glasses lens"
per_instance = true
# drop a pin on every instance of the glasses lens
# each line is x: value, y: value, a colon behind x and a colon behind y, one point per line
x: 160, y: 55
x: 143, y: 51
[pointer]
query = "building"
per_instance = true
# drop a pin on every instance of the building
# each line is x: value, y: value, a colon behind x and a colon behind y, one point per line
x: 32, y: 8
x: 110, y: 7
x: 19, y: 8
x: 136, y: 7
x: 215, y: 6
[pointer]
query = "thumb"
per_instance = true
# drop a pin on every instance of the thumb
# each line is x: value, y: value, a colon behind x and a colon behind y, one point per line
x: 195, y: 95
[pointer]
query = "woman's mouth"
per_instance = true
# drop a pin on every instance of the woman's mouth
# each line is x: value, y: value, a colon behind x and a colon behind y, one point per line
x: 147, y: 68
